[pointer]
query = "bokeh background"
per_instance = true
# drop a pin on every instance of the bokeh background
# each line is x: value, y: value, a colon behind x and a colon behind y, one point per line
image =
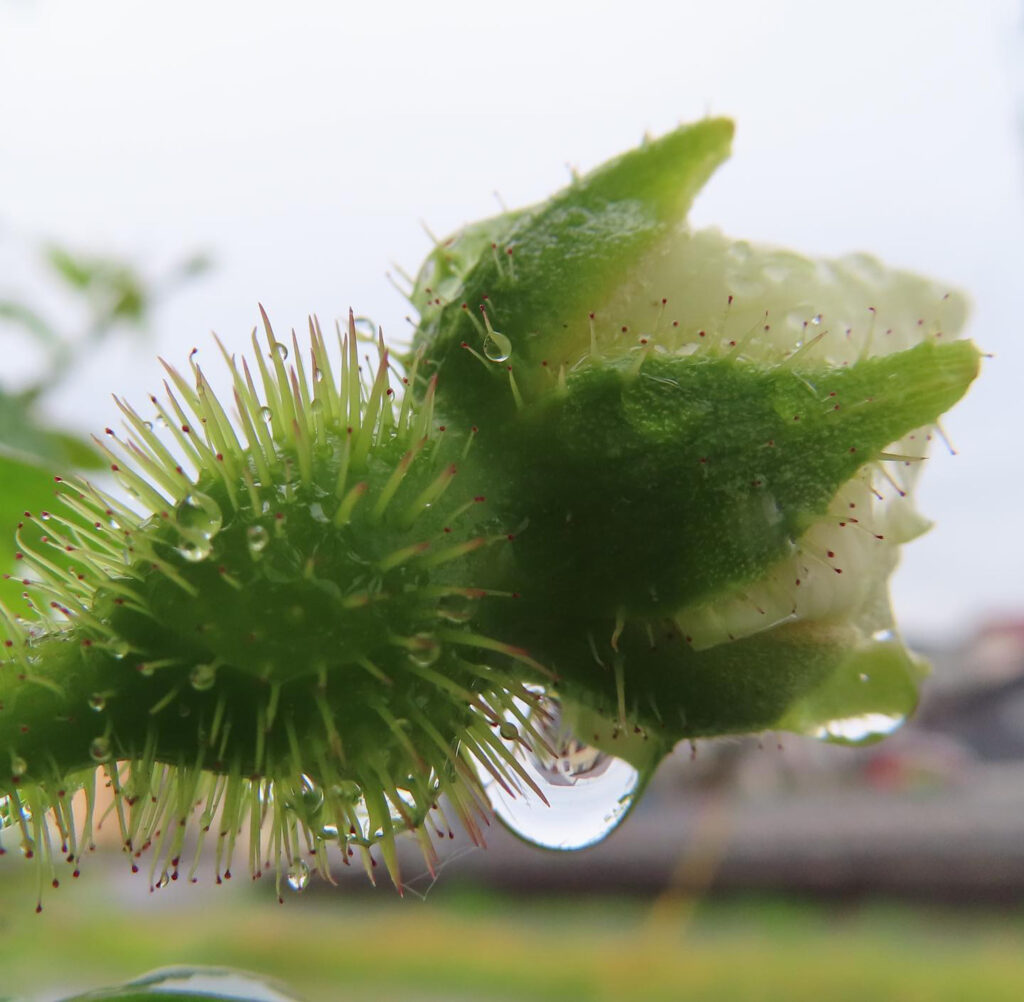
x: 305, y: 150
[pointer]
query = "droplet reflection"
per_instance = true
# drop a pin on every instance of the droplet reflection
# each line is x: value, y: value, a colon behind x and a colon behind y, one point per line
x: 588, y: 791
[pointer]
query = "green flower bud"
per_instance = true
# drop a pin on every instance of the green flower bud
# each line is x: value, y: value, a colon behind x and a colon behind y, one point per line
x: 713, y: 445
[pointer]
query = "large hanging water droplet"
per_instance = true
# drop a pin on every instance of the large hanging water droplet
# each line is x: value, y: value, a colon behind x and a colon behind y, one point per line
x: 99, y: 750
x: 97, y: 702
x: 198, y: 516
x: 497, y: 347
x: 589, y: 792
x: 281, y: 349
x: 203, y: 677
x: 256, y: 538
x: 298, y: 875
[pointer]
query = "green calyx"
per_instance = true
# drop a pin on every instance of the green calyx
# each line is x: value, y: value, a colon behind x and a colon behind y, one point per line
x: 634, y: 484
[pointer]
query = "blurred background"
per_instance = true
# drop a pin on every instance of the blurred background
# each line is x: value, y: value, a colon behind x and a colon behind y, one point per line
x: 164, y: 168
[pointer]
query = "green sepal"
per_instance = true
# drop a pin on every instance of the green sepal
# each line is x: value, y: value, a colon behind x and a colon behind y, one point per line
x: 539, y: 272
x: 648, y: 489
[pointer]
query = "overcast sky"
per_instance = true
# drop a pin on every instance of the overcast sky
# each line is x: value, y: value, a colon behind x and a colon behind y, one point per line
x: 303, y: 144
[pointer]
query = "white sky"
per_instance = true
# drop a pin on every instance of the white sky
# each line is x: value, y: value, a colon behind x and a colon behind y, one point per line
x: 303, y: 143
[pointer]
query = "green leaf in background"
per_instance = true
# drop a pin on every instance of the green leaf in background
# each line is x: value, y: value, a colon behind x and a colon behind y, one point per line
x: 23, y: 437
x: 23, y: 486
x: 30, y: 457
x: 117, y: 291
x: 29, y: 320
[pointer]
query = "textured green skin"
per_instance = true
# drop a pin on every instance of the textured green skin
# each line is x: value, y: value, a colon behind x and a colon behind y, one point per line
x: 286, y: 625
x: 564, y: 253
x: 647, y: 491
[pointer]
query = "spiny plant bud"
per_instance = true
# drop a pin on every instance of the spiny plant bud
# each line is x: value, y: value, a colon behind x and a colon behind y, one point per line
x: 713, y: 445
x: 310, y: 620
x: 283, y: 637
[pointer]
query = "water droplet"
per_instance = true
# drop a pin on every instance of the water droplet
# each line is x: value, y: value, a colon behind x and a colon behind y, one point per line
x: 18, y: 767
x: 298, y: 876
x: 316, y: 405
x: 456, y: 608
x: 508, y: 731
x: 97, y: 702
x: 268, y: 414
x: 99, y: 750
x: 10, y: 815
x: 202, y: 677
x: 424, y: 650
x: 198, y: 516
x: 312, y: 797
x: 861, y: 728
x: 883, y: 636
x: 864, y: 677
x: 816, y: 319
x: 306, y: 802
x: 165, y: 879
x: 194, y: 550
x: 588, y: 791
x: 497, y: 347
x: 281, y: 349
x: 120, y: 649
x: 145, y: 670
x: 256, y: 538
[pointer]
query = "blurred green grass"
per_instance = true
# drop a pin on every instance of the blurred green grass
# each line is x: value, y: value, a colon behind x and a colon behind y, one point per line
x: 462, y: 944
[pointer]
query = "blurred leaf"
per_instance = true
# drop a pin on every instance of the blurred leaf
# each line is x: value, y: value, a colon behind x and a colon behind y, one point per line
x: 128, y: 298
x: 115, y: 290
x: 77, y: 453
x: 76, y: 271
x: 24, y: 486
x: 27, y: 318
x: 195, y: 265
x: 23, y: 438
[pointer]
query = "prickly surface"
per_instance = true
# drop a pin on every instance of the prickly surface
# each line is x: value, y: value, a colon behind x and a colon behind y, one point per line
x: 289, y: 627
